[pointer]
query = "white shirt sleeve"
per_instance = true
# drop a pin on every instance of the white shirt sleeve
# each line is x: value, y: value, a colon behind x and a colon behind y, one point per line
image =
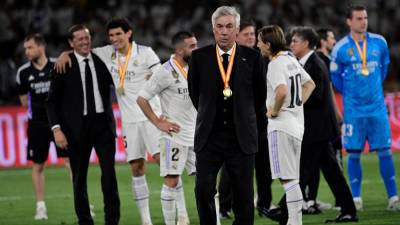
x: 160, y: 80
x: 104, y: 53
x: 152, y: 60
x: 276, y: 74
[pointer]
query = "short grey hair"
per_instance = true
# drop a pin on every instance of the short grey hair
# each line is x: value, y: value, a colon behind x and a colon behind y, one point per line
x: 226, y: 11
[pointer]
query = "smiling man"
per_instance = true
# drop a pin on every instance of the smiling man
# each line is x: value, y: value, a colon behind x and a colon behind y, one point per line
x: 81, y: 117
x: 131, y: 65
x: 227, y: 87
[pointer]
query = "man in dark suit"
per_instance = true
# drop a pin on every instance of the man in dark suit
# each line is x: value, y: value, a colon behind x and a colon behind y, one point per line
x: 227, y: 87
x: 247, y: 37
x: 81, y: 117
x: 320, y: 127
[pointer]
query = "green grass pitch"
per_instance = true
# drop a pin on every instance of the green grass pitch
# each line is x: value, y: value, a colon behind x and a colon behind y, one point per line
x: 17, y: 202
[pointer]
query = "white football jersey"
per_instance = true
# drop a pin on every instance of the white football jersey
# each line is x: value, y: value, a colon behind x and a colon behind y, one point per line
x: 142, y: 64
x: 286, y: 70
x: 171, y: 85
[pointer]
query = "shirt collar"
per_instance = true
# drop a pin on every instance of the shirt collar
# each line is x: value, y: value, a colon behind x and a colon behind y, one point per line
x: 80, y: 58
x: 135, y: 49
x: 304, y: 59
x: 221, y: 52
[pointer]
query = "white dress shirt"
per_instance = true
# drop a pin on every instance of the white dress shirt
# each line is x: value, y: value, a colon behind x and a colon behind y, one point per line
x: 97, y: 97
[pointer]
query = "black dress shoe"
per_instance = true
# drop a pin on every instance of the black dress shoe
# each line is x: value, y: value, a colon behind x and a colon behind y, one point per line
x: 312, y: 210
x: 273, y: 214
x: 343, y: 218
x: 225, y: 215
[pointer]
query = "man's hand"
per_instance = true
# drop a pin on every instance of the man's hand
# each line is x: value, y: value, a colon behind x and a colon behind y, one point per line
x: 60, y: 139
x: 271, y: 114
x: 167, y: 126
x: 62, y: 61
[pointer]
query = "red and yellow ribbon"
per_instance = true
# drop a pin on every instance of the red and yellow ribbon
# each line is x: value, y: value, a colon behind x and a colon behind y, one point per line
x: 181, y: 68
x: 122, y: 68
x: 226, y: 75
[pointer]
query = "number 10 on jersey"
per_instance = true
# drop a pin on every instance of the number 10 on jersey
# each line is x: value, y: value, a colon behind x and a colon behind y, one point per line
x: 295, y: 83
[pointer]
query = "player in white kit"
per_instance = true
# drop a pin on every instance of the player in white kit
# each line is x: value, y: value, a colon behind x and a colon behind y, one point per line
x: 177, y: 124
x: 288, y: 88
x: 131, y: 65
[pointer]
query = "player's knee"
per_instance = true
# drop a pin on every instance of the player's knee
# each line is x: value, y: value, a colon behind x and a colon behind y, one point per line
x: 384, y: 152
x: 354, y: 155
x: 38, y: 167
x: 171, y: 180
x: 137, y: 167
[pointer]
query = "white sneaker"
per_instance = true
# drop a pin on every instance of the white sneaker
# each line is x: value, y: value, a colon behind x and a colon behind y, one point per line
x: 92, y: 210
x: 41, y: 213
x: 183, y: 221
x: 394, y: 204
x: 323, y: 205
x: 358, y: 203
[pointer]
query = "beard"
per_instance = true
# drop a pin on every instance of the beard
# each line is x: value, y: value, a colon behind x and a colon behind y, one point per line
x: 186, y: 58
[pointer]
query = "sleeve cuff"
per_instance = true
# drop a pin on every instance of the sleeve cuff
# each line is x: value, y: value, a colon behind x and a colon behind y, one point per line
x: 146, y: 95
x: 55, y: 126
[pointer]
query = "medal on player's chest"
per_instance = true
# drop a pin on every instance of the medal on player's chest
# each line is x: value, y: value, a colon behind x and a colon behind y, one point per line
x: 122, y: 71
x: 226, y: 75
x: 363, y: 55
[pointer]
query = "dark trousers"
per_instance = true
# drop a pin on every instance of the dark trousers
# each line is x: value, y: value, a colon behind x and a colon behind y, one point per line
x: 322, y: 156
x: 263, y: 172
x: 263, y: 178
x: 223, y: 148
x: 95, y: 133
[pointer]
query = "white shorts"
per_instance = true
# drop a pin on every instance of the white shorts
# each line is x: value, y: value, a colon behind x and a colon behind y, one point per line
x: 175, y: 157
x: 284, y: 155
x: 139, y: 138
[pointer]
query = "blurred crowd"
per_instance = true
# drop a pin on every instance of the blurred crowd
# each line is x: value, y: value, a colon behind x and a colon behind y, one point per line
x: 154, y: 22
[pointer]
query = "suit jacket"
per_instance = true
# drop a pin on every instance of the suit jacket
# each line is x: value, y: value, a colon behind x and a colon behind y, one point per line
x: 249, y: 94
x: 66, y: 100
x: 319, y: 115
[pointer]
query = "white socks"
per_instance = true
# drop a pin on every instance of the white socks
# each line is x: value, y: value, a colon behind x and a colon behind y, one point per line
x: 180, y: 200
x: 168, y: 204
x: 40, y: 204
x: 294, y: 201
x: 141, y: 195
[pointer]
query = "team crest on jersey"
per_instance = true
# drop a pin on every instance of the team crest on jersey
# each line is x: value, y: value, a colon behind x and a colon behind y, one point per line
x: 41, y: 74
x: 333, y: 66
x: 375, y: 53
x: 350, y: 52
x: 31, y: 78
x: 113, y: 56
x: 175, y: 75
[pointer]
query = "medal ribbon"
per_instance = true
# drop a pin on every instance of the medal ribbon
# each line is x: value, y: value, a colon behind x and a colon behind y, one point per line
x: 181, y: 69
x: 122, y: 68
x: 363, y: 53
x: 226, y: 76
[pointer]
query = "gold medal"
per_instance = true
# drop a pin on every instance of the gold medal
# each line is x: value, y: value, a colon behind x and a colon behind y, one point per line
x: 363, y: 55
x: 364, y: 71
x: 120, y: 90
x: 226, y: 75
x: 227, y: 92
x: 122, y: 71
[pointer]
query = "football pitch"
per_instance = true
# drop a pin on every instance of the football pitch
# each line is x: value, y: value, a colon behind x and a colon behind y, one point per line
x: 17, y: 202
